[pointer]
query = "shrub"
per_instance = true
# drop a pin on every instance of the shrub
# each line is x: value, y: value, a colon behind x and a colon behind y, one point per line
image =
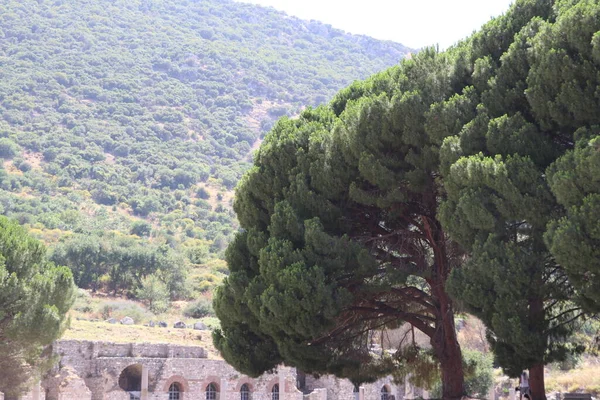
x: 8, y: 148
x: 199, y: 309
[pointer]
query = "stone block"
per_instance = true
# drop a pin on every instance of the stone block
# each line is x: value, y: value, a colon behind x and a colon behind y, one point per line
x: 199, y: 326
x: 127, y: 321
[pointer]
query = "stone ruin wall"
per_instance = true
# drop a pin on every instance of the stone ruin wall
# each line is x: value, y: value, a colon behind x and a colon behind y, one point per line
x: 330, y: 387
x: 96, y: 366
x: 90, y: 370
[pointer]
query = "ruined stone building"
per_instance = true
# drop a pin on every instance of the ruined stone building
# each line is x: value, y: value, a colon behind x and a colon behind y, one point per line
x: 90, y: 370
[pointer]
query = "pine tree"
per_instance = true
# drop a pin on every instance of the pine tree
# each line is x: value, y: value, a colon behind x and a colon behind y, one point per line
x: 536, y: 99
x: 442, y: 173
x: 35, y: 296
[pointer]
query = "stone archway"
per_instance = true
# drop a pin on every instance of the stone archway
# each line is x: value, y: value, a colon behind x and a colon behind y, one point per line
x: 130, y: 380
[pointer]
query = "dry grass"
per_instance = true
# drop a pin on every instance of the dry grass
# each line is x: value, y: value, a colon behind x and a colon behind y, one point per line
x: 582, y: 379
x: 86, y: 330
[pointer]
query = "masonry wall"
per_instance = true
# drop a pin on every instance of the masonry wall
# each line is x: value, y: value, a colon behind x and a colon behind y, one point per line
x: 90, y: 370
x: 343, y: 389
x: 98, y: 366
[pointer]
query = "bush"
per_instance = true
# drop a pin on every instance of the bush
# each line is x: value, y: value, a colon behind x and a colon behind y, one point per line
x: 8, y: 148
x: 200, y: 309
x: 203, y: 193
x: 141, y: 228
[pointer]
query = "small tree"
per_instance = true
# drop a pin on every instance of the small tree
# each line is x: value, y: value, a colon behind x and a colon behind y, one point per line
x: 154, y: 293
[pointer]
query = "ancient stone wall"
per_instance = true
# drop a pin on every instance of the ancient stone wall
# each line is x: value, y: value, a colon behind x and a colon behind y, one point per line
x: 99, y: 366
x: 90, y: 370
x: 343, y: 389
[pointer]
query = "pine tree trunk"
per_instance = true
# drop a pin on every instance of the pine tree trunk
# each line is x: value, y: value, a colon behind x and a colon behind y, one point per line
x: 444, y: 340
x: 536, y: 382
x: 446, y: 347
x: 536, y: 372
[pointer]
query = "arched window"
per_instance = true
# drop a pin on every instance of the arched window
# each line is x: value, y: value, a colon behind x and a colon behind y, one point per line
x: 211, y: 392
x: 275, y: 392
x: 385, y: 395
x: 244, y: 392
x: 174, y: 392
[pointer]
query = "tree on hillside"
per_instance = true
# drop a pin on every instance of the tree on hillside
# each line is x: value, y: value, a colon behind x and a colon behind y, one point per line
x: 35, y: 296
x: 122, y: 263
x: 535, y: 103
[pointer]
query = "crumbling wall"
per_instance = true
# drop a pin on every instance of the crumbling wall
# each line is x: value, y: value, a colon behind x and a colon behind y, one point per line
x: 66, y: 385
x: 343, y: 389
x: 93, y: 369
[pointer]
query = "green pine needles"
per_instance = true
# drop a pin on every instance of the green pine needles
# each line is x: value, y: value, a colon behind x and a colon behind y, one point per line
x: 470, y: 175
x: 35, y: 296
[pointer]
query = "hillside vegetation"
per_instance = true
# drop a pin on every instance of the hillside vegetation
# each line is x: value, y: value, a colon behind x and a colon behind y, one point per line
x: 125, y: 125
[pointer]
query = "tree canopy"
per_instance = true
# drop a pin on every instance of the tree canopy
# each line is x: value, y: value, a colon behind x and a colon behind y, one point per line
x: 458, y: 165
x: 35, y: 296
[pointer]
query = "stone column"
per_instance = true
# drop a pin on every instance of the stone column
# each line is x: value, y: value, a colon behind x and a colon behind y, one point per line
x: 281, y: 372
x: 361, y: 393
x: 223, y: 395
x: 492, y: 392
x: 511, y: 394
x: 144, y: 395
x: 35, y: 393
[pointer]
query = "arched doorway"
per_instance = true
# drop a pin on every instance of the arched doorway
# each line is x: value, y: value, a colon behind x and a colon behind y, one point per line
x: 130, y: 380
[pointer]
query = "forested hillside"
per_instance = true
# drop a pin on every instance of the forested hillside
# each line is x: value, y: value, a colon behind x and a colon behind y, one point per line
x: 125, y: 125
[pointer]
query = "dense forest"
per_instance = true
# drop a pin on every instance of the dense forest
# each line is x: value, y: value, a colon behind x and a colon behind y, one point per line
x: 125, y: 125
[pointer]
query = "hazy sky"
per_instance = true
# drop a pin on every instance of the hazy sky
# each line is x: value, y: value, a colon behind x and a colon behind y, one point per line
x: 414, y: 23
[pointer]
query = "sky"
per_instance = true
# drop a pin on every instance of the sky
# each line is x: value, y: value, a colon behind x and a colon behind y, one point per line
x: 414, y: 23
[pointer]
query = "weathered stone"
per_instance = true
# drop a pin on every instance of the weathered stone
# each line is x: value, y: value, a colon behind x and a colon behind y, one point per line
x: 111, y: 321
x: 199, y: 326
x: 67, y: 385
x: 162, y: 324
x: 151, y: 324
x: 179, y: 325
x: 96, y: 367
x: 127, y: 321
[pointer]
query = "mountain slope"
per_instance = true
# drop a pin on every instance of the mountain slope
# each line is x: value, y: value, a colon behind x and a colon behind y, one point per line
x: 120, y: 116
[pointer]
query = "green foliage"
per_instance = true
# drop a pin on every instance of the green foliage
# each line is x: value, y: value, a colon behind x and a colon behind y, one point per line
x: 479, y: 374
x: 141, y: 228
x: 106, y: 121
x: 35, y: 296
x: 574, y: 239
x: 340, y: 235
x: 199, y: 309
x: 509, y: 170
x: 154, y: 293
x: 8, y: 148
x: 121, y: 263
x: 459, y: 165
